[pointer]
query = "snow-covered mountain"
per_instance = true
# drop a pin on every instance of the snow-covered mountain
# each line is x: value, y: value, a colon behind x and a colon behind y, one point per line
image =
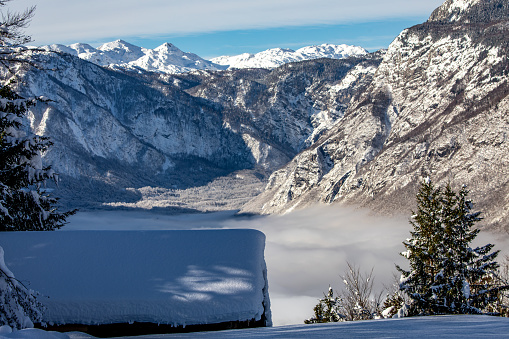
x: 116, y: 130
x: 276, y: 57
x: 112, y: 131
x: 291, y: 106
x: 119, y: 54
x: 436, y: 107
x: 470, y: 11
x: 167, y: 58
x: 362, y: 130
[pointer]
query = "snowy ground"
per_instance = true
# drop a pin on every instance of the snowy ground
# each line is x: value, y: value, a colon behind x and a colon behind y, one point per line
x: 305, y: 251
x: 162, y: 277
x: 425, y: 327
x: 460, y: 326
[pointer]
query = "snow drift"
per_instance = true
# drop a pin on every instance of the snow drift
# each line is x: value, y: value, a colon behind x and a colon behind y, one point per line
x: 177, y: 278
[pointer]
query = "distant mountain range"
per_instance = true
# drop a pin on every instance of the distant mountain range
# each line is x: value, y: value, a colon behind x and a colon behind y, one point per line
x: 276, y: 57
x: 167, y: 58
x: 362, y: 130
x: 122, y: 55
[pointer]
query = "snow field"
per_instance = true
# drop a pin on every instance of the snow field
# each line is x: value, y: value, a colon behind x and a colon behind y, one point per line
x: 164, y: 277
x: 458, y: 326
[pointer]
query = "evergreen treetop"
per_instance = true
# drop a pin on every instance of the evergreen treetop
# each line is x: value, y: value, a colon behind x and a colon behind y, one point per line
x: 446, y: 274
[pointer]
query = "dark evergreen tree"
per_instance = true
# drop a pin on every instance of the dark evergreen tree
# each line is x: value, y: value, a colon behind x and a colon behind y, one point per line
x: 423, y: 250
x: 446, y: 275
x: 327, y: 310
x: 478, y: 266
x: 25, y: 205
x: 392, y: 304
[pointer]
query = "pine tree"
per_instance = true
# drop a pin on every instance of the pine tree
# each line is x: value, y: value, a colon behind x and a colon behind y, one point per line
x: 392, y: 303
x: 423, y: 250
x: 446, y: 275
x: 482, y: 282
x: 327, y: 309
x: 24, y: 203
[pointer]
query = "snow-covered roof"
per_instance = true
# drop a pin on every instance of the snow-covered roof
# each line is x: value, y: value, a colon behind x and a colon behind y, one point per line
x: 163, y: 277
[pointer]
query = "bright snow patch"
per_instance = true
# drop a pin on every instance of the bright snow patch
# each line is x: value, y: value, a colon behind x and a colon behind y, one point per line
x: 458, y: 326
x: 164, y: 277
x: 462, y: 4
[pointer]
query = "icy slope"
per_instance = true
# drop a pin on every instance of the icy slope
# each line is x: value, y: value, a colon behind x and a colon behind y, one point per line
x: 435, y: 107
x: 457, y: 326
x: 275, y: 57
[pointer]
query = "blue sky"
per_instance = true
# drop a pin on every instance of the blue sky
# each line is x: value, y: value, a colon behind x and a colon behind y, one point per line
x: 211, y: 28
x: 370, y: 35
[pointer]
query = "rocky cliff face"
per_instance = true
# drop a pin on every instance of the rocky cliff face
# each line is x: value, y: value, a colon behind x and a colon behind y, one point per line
x: 287, y: 109
x: 437, y: 106
x: 470, y: 11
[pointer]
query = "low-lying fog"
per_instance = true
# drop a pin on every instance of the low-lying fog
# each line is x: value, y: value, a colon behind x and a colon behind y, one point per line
x: 306, y: 251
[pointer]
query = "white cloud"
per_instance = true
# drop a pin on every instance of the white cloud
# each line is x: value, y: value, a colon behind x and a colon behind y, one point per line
x: 96, y: 20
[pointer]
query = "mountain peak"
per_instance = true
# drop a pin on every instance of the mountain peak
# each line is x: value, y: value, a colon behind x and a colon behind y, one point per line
x: 471, y: 11
x: 167, y: 47
x: 119, y: 45
x: 82, y: 48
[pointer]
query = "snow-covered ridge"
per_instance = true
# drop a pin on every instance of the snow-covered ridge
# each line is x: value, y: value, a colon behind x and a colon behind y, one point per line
x: 167, y: 58
x: 457, y: 7
x: 276, y: 57
x: 432, y: 76
x: 471, y: 11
